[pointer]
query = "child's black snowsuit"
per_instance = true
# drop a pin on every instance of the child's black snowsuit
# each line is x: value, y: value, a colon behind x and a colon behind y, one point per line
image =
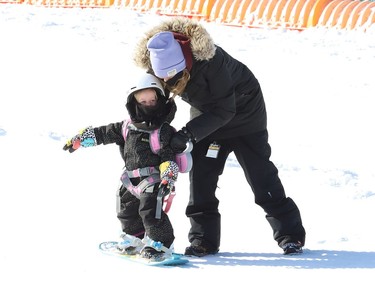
x: 137, y: 215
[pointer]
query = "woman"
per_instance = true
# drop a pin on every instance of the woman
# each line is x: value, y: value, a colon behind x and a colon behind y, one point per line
x: 228, y: 115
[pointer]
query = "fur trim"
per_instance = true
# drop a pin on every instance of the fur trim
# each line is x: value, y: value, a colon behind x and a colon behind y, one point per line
x: 202, y: 45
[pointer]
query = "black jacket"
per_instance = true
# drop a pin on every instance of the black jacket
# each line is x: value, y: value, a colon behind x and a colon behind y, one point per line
x: 224, y: 92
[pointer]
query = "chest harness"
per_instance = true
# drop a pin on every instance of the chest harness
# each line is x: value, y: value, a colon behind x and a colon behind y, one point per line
x: 151, y: 175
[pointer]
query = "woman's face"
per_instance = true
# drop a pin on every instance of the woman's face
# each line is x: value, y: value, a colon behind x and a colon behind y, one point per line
x: 146, y: 97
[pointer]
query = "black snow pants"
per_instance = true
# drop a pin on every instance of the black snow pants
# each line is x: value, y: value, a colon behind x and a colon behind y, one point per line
x: 137, y: 216
x: 253, y: 154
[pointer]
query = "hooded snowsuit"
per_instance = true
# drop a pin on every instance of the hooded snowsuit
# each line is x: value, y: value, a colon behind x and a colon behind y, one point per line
x: 137, y: 215
x: 228, y: 110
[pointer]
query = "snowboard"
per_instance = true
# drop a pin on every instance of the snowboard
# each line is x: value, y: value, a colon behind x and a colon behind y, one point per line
x: 110, y: 248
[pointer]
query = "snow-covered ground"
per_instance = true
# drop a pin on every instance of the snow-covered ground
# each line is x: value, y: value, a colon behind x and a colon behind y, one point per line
x: 64, y: 69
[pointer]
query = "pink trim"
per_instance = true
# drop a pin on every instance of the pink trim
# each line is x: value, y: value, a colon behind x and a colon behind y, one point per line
x: 136, y: 173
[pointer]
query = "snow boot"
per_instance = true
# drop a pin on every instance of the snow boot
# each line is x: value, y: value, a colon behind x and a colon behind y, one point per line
x: 200, y: 248
x: 292, y: 248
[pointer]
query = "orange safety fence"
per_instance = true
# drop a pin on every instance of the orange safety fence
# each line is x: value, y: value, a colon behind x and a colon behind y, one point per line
x: 292, y: 14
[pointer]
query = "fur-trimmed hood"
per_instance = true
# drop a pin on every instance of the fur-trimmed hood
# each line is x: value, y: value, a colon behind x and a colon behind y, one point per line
x: 201, y: 43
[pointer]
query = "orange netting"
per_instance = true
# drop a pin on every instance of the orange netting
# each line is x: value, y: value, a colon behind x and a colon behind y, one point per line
x: 293, y: 14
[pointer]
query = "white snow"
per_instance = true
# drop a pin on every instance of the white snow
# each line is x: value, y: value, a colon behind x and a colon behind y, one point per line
x: 64, y: 69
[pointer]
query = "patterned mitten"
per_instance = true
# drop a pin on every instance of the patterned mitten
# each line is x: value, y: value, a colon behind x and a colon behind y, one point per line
x: 168, y: 173
x: 85, y: 138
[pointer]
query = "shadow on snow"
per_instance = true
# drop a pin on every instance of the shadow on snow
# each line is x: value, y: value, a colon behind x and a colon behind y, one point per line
x: 310, y: 259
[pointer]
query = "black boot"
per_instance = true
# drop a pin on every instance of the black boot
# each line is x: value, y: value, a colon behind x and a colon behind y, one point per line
x: 292, y: 248
x: 200, y: 248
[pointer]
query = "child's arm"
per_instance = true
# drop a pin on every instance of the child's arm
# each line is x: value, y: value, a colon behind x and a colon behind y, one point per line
x: 166, y: 153
x: 90, y: 136
x: 111, y: 133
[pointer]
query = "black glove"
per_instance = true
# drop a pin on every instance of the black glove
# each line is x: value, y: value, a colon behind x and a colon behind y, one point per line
x: 180, y: 140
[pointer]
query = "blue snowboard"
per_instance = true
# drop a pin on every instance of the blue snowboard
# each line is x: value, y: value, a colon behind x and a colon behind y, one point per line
x: 110, y: 248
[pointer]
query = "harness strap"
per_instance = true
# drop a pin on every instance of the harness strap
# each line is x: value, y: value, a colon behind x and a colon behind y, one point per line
x: 142, y: 172
x: 168, y: 200
x: 167, y: 194
x: 183, y: 160
x: 146, y: 185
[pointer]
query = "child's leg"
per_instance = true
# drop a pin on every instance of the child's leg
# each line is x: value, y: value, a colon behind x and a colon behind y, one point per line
x: 159, y: 230
x: 127, y: 213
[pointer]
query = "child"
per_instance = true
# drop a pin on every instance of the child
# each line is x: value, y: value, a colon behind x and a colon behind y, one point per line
x: 146, y: 228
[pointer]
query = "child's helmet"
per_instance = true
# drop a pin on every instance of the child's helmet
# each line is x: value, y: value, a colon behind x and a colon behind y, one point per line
x: 139, y: 113
x: 147, y: 80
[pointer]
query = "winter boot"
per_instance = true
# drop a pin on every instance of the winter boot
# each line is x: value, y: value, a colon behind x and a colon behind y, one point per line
x: 129, y: 244
x: 292, y: 248
x: 200, y: 248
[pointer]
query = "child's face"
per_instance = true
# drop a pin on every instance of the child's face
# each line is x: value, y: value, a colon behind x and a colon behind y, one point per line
x: 146, y: 97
